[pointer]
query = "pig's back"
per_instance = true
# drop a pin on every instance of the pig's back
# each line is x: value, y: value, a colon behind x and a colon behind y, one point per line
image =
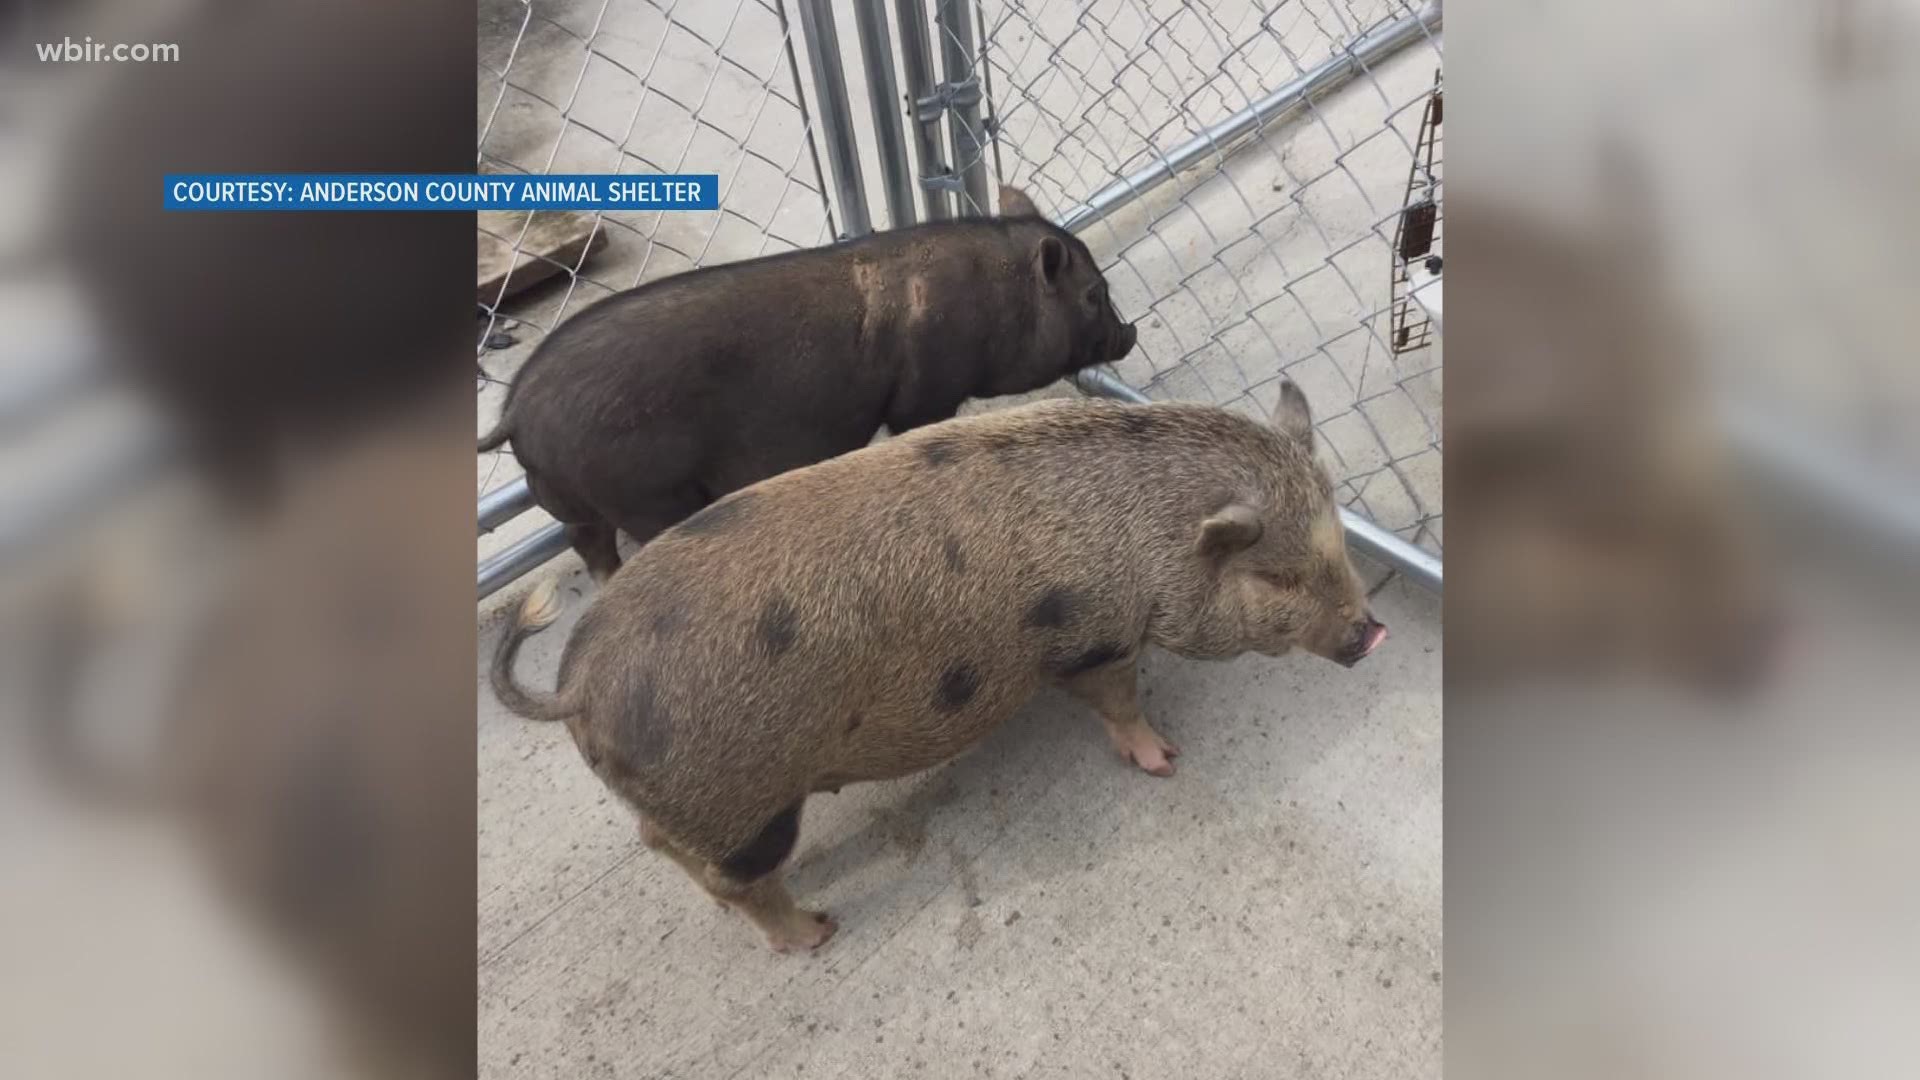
x: 719, y: 376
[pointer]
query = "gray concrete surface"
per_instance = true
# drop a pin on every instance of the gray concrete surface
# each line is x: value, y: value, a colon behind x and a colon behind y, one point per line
x: 1036, y: 908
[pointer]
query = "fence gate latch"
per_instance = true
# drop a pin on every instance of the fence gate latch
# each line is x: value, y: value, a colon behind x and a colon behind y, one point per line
x: 945, y: 97
x: 946, y: 180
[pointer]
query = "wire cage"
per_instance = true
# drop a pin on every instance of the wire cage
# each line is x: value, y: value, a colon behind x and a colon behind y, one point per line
x: 1416, y: 238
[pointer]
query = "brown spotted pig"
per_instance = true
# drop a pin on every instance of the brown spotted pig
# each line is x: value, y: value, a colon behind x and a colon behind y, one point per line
x: 879, y: 613
x: 655, y: 402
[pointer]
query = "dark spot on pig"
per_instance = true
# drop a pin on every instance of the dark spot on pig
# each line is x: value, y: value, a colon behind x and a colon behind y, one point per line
x: 646, y: 729
x: 1137, y: 423
x: 719, y: 517
x: 853, y: 723
x: 765, y: 852
x: 1053, y: 609
x: 957, y: 687
x: 938, y: 452
x: 956, y: 559
x: 777, y: 628
x: 1099, y: 656
x: 669, y: 622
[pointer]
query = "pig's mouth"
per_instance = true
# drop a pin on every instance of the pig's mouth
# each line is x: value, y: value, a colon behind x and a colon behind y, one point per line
x: 1110, y: 343
x: 1372, y: 633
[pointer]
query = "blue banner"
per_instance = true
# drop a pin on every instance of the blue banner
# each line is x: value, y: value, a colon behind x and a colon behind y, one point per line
x: 418, y: 191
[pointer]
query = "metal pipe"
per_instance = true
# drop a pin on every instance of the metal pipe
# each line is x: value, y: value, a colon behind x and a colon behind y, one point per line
x: 1370, y: 49
x: 502, y: 568
x: 806, y: 122
x: 1416, y: 564
x: 1859, y: 493
x: 836, y: 116
x: 1096, y: 383
x: 503, y: 504
x: 986, y: 90
x: 963, y: 127
x: 883, y: 94
x: 1421, y: 567
x: 917, y: 58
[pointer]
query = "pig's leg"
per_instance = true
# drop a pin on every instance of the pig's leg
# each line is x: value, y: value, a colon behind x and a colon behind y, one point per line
x: 656, y: 840
x: 589, y: 531
x: 1110, y: 689
x: 767, y: 902
x: 646, y: 517
x: 598, y: 547
x: 749, y: 879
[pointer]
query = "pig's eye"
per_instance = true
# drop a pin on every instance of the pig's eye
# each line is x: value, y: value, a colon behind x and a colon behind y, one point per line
x: 1281, y: 579
x: 1097, y: 294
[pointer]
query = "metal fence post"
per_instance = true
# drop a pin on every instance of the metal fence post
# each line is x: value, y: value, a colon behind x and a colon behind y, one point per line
x: 918, y: 58
x: 883, y: 93
x: 505, y: 567
x: 504, y: 503
x: 962, y: 89
x: 800, y: 106
x: 836, y: 116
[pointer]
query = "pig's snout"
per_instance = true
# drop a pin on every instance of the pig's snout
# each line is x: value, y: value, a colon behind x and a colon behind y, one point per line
x: 1367, y: 636
x: 1124, y: 340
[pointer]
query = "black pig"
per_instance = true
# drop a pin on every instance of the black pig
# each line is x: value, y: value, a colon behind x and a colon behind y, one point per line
x: 653, y: 403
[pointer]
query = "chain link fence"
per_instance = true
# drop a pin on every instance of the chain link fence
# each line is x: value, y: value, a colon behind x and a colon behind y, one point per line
x: 1272, y: 254
x: 1238, y: 167
x: 625, y: 86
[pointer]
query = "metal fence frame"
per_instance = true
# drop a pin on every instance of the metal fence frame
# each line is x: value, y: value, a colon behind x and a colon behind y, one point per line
x: 957, y: 99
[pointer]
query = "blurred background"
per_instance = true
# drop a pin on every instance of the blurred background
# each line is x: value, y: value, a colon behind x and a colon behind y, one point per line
x: 1685, y: 509
x: 237, y: 814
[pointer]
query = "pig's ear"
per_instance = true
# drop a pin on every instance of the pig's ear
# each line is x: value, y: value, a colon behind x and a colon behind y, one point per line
x: 1291, y: 417
x: 1050, y: 258
x: 1232, y: 528
x: 1014, y: 203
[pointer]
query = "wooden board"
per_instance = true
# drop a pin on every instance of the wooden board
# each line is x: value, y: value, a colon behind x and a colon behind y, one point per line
x: 555, y: 241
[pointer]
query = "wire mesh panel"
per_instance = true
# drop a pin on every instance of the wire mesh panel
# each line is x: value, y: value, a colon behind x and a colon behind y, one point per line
x: 632, y: 86
x: 1273, y: 254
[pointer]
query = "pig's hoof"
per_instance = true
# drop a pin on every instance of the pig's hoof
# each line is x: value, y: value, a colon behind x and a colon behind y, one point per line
x: 1151, y: 752
x: 1154, y: 764
x: 810, y: 931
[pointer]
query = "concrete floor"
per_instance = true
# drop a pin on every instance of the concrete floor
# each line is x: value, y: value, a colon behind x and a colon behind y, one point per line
x: 1034, y: 908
